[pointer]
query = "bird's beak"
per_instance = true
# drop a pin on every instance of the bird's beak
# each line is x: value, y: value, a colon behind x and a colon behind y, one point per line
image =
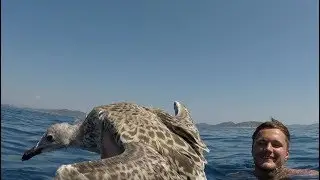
x: 28, y: 154
x: 37, y: 149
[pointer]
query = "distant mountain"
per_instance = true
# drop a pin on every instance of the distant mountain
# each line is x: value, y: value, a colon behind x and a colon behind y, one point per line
x: 303, y: 125
x: 203, y: 126
x: 241, y: 124
x: 64, y: 112
x: 314, y: 124
x: 250, y: 124
x: 61, y: 112
x: 225, y: 124
x: 231, y: 124
x: 7, y: 105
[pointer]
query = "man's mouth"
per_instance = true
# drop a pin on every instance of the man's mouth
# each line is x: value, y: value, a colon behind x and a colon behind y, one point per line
x: 267, y: 157
x: 30, y: 153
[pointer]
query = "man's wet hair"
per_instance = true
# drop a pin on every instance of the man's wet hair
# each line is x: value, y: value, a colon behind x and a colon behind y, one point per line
x: 273, y: 124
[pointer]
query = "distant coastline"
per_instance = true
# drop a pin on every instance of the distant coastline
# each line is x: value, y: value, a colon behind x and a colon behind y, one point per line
x: 64, y: 112
x: 61, y: 112
x: 246, y: 124
x: 82, y: 115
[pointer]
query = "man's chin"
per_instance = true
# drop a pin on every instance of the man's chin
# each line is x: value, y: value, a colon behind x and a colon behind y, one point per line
x: 267, y: 166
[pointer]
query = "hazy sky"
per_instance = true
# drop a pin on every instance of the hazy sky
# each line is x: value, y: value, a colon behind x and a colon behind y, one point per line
x: 226, y: 60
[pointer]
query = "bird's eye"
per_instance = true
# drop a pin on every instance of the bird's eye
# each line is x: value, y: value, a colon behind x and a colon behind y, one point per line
x: 49, y: 138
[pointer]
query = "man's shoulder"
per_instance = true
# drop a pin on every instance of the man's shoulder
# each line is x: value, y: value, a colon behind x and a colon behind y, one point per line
x: 307, y: 172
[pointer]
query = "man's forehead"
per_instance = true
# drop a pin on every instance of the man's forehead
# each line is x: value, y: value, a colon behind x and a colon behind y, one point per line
x: 271, y: 134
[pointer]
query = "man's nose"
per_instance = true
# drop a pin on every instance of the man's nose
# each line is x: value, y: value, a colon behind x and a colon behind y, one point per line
x: 269, y: 147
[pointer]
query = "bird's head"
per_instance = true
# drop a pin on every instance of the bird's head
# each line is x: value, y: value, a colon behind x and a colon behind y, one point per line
x: 57, y: 136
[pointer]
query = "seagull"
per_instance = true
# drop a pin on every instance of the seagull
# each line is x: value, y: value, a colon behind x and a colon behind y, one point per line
x: 134, y: 142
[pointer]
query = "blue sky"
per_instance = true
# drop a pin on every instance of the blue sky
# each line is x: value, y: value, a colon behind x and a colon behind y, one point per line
x: 226, y: 60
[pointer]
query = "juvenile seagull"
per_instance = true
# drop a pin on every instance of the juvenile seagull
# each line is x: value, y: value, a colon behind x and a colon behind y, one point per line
x: 135, y: 142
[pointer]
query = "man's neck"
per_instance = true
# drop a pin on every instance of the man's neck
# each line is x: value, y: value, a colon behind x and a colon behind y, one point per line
x: 262, y: 174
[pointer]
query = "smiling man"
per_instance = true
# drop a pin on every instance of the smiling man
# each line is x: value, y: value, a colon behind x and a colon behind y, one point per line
x: 270, y: 151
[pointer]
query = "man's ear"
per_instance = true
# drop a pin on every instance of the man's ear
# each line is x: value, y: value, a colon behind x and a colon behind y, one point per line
x: 287, y: 155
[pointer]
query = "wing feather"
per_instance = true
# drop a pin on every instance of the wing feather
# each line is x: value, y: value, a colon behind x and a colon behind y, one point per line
x: 136, y: 162
x: 183, y: 129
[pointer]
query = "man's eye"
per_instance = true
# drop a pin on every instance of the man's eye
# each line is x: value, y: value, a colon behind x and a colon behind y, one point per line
x: 276, y: 145
x: 261, y: 142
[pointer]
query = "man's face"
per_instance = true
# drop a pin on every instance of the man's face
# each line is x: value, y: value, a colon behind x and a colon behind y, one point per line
x: 270, y: 150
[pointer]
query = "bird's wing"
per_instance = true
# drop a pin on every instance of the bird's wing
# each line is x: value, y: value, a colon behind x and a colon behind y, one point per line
x: 138, y: 161
x: 133, y: 123
x: 182, y: 125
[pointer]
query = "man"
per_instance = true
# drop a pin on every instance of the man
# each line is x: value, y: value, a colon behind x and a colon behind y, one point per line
x: 270, y: 151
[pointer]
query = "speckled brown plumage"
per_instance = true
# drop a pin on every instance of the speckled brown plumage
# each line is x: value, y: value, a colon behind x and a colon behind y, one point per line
x: 155, y: 144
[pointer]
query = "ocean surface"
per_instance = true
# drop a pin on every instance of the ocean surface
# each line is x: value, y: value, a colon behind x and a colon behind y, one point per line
x: 229, y: 148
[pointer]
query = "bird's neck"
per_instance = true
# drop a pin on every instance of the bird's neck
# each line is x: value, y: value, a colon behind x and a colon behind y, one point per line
x: 76, y: 135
